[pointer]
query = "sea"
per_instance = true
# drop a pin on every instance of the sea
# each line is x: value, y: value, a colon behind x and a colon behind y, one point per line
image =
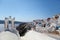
x: 2, y: 26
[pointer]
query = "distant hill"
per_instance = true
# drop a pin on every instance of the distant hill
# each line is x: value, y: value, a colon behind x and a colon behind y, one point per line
x: 16, y: 22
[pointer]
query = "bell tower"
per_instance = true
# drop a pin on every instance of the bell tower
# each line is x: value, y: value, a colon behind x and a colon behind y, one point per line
x: 6, y: 24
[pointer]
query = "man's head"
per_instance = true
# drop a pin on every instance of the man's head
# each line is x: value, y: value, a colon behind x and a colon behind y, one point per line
x: 22, y: 29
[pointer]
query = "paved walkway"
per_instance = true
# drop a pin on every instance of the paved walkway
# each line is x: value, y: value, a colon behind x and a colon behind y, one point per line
x: 33, y: 35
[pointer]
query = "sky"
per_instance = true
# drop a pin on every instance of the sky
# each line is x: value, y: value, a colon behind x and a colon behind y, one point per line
x: 28, y: 10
